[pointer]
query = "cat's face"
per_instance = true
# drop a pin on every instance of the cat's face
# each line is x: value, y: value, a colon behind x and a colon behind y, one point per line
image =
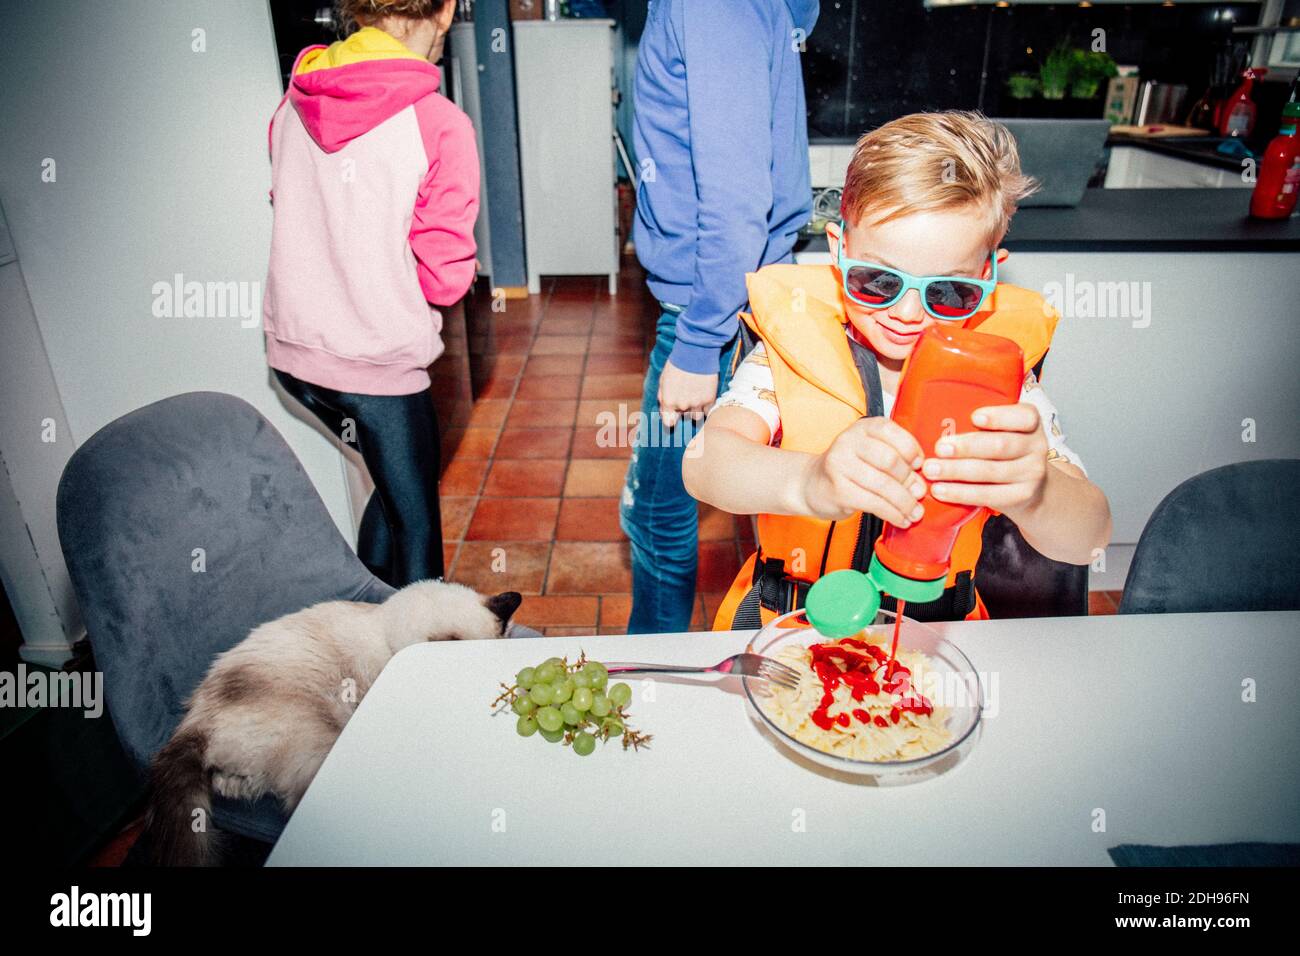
x: 503, y: 607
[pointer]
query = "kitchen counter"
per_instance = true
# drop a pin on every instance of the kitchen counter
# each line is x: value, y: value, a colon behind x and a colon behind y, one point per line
x: 1194, y: 149
x: 1143, y: 220
x: 1153, y: 220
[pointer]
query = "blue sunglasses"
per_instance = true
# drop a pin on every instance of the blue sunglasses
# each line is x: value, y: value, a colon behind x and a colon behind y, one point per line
x: 947, y: 298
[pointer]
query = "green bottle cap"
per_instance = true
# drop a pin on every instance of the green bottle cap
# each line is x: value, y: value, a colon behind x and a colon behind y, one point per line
x: 904, y: 588
x: 842, y: 603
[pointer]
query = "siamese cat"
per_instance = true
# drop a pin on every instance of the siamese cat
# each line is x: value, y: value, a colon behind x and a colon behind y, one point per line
x: 272, y: 706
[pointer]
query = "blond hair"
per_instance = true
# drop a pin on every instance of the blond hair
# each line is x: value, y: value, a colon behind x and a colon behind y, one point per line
x: 929, y: 162
x: 354, y: 14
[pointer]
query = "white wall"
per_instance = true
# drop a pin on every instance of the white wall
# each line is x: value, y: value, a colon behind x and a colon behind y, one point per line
x: 161, y: 168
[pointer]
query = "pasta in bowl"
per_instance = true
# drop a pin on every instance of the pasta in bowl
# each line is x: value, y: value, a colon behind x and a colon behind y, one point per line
x: 855, y: 711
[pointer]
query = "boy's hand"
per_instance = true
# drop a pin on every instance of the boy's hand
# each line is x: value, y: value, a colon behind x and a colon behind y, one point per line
x: 1002, y: 466
x: 685, y: 393
x: 871, y: 466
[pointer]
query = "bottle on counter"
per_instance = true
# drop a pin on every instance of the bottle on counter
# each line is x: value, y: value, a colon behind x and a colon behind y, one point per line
x: 1238, y: 116
x: 950, y: 373
x: 1278, y: 185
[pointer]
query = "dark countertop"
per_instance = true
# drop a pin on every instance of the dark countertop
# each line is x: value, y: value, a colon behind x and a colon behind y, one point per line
x: 1145, y: 220
x: 1194, y: 149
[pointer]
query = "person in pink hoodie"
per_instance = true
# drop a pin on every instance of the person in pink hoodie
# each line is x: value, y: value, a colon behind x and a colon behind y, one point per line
x: 375, y: 184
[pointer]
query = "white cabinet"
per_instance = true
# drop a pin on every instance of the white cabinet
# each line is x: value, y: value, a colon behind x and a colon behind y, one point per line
x: 1132, y: 167
x: 564, y: 78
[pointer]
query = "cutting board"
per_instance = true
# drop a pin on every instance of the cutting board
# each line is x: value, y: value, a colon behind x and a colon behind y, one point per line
x: 1156, y: 130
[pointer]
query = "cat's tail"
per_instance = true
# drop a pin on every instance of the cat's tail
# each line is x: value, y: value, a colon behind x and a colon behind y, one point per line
x: 178, y: 823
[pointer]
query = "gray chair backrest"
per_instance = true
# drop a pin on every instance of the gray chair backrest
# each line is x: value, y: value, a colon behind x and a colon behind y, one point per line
x: 1225, y: 540
x: 185, y: 524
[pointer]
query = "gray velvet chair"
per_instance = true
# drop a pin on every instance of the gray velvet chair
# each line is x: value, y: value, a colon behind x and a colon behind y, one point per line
x: 1225, y: 540
x: 184, y: 525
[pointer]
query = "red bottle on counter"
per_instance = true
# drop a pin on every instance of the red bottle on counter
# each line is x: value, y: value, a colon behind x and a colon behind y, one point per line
x: 1278, y: 185
x: 1238, y: 115
x: 950, y: 373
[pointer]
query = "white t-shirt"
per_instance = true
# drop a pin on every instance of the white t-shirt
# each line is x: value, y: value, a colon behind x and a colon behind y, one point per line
x: 752, y: 387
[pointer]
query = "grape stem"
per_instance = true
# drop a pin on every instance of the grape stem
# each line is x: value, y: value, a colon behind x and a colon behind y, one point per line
x: 506, y: 697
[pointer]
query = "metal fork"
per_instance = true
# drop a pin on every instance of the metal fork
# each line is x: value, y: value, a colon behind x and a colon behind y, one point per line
x: 748, y: 665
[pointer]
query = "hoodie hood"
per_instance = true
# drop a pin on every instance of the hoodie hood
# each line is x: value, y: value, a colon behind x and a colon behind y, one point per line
x: 804, y: 14
x: 348, y: 88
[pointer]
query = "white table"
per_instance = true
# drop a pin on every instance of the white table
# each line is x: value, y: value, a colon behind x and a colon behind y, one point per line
x: 1141, y: 717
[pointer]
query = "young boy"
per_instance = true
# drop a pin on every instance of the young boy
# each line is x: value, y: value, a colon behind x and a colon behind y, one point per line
x: 802, y: 436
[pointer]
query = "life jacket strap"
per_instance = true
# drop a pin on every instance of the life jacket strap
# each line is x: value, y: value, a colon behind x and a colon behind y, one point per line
x: 778, y: 591
x: 864, y: 360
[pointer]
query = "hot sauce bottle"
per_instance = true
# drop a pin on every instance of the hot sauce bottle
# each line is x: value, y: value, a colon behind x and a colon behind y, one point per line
x: 1278, y: 184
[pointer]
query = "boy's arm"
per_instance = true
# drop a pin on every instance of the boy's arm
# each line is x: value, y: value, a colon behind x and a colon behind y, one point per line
x: 729, y: 105
x: 727, y: 49
x: 1070, y: 521
x: 1004, y: 466
x: 869, y: 467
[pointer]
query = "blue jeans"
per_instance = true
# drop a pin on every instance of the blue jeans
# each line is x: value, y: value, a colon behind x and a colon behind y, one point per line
x: 657, y: 514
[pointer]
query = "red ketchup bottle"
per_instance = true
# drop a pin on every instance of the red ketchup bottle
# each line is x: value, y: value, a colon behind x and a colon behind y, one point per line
x: 1279, y: 174
x: 950, y: 373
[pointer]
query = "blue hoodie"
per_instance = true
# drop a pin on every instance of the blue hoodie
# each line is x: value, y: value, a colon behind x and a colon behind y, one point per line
x: 720, y: 113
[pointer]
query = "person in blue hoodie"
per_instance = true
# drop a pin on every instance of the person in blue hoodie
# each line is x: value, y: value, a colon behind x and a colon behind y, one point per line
x: 721, y: 135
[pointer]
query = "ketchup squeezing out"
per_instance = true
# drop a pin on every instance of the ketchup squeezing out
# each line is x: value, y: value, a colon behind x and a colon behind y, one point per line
x: 898, y: 623
x: 867, y: 671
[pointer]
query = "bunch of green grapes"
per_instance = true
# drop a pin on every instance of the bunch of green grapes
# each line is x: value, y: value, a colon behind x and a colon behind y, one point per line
x: 571, y: 703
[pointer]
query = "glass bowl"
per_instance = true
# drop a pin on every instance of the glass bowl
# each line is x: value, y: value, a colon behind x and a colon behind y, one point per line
x: 950, y: 681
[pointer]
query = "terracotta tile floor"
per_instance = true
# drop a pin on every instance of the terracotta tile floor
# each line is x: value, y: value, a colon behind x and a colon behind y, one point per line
x: 531, y: 493
x: 530, y: 497
x: 1103, y: 602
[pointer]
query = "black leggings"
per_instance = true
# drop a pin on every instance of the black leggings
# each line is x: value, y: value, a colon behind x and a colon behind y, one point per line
x: 400, y: 540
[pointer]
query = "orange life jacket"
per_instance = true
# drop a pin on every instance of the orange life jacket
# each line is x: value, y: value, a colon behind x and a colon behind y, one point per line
x: 798, y: 314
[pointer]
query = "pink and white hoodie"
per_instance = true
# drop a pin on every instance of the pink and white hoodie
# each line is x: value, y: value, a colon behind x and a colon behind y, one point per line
x: 375, y: 184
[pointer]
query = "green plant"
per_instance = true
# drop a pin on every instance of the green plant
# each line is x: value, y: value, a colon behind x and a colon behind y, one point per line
x: 1056, y: 71
x: 1090, y: 68
x: 1022, y: 86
